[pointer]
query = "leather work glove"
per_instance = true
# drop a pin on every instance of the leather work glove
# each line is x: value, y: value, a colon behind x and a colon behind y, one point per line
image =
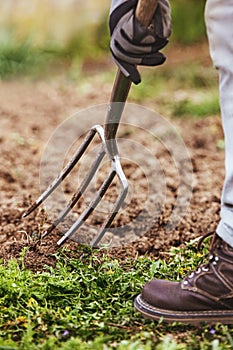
x: 132, y: 44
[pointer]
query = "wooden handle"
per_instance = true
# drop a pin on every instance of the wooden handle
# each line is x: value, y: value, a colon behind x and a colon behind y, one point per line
x: 145, y: 11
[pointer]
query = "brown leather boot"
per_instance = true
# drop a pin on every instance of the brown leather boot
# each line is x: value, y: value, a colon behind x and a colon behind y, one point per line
x: 205, y: 295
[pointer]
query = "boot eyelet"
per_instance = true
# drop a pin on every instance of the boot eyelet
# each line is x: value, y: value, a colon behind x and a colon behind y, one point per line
x: 185, y: 283
x: 191, y: 275
x: 205, y: 269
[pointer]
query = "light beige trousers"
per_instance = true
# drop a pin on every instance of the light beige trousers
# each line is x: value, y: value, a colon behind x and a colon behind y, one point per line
x: 219, y: 23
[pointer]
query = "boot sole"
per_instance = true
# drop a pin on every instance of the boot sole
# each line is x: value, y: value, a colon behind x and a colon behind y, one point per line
x: 196, y: 318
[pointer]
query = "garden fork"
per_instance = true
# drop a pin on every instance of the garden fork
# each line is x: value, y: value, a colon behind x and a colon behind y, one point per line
x: 107, y: 135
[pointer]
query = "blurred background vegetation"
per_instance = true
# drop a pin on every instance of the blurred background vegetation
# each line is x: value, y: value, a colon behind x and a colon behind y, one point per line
x: 35, y: 32
x: 42, y: 38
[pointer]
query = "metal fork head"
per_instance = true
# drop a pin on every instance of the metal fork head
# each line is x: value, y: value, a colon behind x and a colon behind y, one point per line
x: 115, y: 171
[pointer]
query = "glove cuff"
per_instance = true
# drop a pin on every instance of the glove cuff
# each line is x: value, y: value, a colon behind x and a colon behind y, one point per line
x: 119, y: 11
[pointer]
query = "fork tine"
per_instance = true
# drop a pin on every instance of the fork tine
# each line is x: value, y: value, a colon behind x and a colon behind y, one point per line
x: 86, y: 181
x: 65, y: 171
x: 120, y: 199
x: 110, y: 219
x: 86, y: 213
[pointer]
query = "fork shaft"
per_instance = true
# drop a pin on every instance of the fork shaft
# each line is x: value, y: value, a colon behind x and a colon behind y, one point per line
x: 117, y: 103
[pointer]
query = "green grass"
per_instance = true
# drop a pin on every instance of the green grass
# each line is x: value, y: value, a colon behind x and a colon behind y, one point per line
x: 24, y: 56
x: 188, y: 21
x: 86, y: 302
x: 187, y: 90
x: 207, y: 104
x: 17, y: 59
x: 24, y: 59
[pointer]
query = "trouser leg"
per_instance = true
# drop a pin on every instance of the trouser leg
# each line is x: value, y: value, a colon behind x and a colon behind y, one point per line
x: 219, y: 19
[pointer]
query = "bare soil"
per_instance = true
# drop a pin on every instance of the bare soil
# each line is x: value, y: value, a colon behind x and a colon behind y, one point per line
x: 30, y: 111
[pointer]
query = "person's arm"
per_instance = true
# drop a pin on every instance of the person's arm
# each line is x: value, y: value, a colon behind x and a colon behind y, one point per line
x: 131, y: 44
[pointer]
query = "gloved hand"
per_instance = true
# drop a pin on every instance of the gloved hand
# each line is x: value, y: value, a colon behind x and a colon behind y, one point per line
x: 132, y: 44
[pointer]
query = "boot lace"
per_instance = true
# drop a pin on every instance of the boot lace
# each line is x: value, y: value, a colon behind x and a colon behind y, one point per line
x: 213, y: 258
